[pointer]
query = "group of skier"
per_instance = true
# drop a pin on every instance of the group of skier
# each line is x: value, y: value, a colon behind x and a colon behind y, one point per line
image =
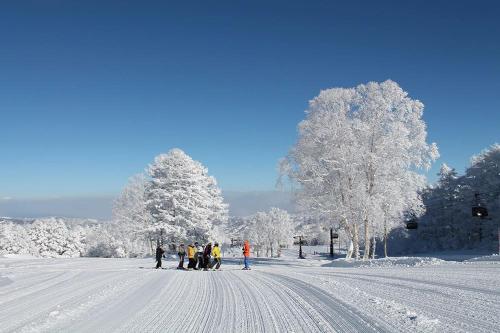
x: 202, y: 258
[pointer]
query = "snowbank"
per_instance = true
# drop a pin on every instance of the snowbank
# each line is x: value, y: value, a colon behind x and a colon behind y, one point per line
x: 386, y: 262
x: 4, y: 281
x: 493, y: 258
x: 18, y: 256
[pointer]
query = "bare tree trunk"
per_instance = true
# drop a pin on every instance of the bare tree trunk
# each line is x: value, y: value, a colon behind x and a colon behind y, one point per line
x: 355, y: 240
x: 366, y: 254
x: 160, y: 237
x: 150, y: 239
x: 385, y: 238
x: 373, y: 247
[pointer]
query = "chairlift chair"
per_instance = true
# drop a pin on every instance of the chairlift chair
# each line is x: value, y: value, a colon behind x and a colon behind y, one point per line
x: 335, y: 235
x: 479, y: 211
x: 412, y: 224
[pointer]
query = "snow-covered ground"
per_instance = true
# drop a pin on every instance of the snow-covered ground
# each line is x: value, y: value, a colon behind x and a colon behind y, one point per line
x: 277, y: 295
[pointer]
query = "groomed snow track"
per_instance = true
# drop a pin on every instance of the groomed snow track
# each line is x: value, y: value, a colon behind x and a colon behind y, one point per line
x: 117, y: 295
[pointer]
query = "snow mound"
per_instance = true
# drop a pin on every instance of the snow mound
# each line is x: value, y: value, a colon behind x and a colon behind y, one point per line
x: 4, y: 281
x: 386, y: 262
x: 493, y: 257
x: 18, y: 256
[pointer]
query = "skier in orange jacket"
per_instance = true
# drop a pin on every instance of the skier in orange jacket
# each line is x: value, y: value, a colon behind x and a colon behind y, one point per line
x: 246, y: 255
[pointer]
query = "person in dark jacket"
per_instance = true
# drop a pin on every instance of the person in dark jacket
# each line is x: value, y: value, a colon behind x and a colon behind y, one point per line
x: 159, y: 254
x: 206, y: 256
x: 182, y: 254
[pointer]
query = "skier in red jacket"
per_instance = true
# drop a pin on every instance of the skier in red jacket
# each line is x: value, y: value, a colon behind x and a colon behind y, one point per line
x: 246, y: 254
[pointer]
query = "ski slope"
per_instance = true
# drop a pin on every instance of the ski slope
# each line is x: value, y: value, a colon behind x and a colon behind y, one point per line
x: 278, y: 295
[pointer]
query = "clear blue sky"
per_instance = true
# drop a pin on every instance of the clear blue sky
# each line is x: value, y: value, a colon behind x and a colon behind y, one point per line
x: 91, y: 91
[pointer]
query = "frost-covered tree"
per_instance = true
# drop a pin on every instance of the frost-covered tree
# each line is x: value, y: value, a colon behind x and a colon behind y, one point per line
x: 357, y: 149
x: 257, y: 231
x: 131, y: 214
x: 52, y: 238
x: 483, y: 175
x: 447, y: 223
x: 316, y: 232
x: 14, y: 239
x: 102, y: 241
x: 130, y: 207
x: 183, y: 200
x: 269, y: 231
x: 282, y: 229
x: 446, y: 175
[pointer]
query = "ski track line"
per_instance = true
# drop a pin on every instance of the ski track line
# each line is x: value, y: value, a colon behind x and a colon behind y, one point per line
x: 431, y: 303
x: 432, y: 283
x: 34, y: 283
x: 196, y: 302
x: 20, y: 279
x: 76, y: 308
x: 160, y: 309
x: 483, y: 297
x: 489, y: 297
x: 437, y: 288
x: 298, y: 313
x: 36, y: 311
x: 234, y: 297
x: 38, y: 307
x: 34, y: 294
x: 398, y: 317
x: 259, y: 310
x: 113, y: 310
x: 184, y: 304
x: 61, y: 303
x: 342, y: 317
x: 90, y: 295
x: 221, y: 313
x: 368, y: 320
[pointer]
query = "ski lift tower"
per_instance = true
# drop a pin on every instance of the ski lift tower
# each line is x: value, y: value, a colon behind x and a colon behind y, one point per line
x: 301, y: 256
x: 235, y: 242
x: 480, y: 211
x: 333, y: 235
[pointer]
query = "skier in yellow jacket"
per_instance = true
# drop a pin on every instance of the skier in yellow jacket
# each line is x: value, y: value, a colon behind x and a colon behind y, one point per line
x: 216, y: 256
x: 191, y: 252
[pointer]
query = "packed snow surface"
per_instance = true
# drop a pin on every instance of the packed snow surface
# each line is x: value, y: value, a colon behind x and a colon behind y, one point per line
x: 386, y: 262
x: 277, y: 295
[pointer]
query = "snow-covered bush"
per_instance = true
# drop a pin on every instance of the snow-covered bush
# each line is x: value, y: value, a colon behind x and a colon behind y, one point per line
x: 52, y: 238
x: 14, y: 239
x: 102, y: 243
